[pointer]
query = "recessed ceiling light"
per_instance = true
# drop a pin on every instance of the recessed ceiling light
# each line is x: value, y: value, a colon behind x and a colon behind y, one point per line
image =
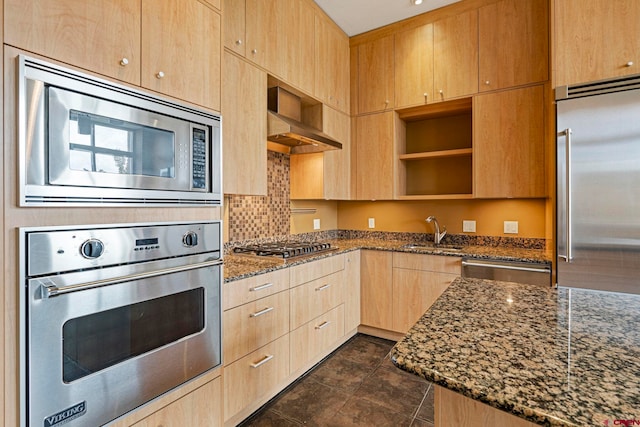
x: 416, y: 2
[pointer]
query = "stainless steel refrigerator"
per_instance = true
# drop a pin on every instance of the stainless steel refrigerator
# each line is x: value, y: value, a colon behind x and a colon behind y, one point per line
x: 598, y: 185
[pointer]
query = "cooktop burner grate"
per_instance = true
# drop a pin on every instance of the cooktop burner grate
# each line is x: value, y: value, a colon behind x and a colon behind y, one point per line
x: 284, y: 249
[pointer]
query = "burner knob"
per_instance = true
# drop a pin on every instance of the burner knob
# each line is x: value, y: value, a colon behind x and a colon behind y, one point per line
x: 92, y: 248
x: 190, y: 239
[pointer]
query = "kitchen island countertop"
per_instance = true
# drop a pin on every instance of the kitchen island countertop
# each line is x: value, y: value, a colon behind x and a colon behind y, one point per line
x: 554, y: 357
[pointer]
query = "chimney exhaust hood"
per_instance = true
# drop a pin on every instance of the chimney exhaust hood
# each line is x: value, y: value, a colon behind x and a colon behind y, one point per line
x: 284, y: 126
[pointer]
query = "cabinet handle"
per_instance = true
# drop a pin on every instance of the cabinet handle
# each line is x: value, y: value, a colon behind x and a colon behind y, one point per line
x: 238, y: 42
x: 487, y: 82
x: 426, y: 96
x: 567, y: 194
x: 323, y: 324
x: 323, y: 287
x: 262, y: 361
x: 261, y: 312
x: 124, y: 61
x: 254, y: 51
x: 629, y: 64
x: 160, y: 74
x: 261, y: 287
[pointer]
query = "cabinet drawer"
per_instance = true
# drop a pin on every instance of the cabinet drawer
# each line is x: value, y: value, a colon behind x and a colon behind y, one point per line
x: 315, y: 337
x: 313, y: 270
x: 252, y: 325
x: 255, y: 375
x: 316, y: 297
x: 441, y: 264
x: 252, y: 288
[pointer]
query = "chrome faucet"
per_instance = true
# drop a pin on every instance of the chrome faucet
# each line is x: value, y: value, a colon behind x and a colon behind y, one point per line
x: 437, y: 236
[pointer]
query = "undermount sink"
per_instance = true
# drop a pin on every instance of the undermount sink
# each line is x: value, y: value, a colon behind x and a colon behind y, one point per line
x: 432, y: 246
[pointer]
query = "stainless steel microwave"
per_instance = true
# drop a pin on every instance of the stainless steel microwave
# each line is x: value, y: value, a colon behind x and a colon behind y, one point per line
x: 86, y: 141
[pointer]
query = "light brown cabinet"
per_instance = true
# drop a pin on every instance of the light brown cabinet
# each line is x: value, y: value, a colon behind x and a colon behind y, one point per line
x: 244, y: 97
x: 509, y: 144
x: 332, y: 76
x: 455, y: 52
x: 413, y: 66
x: 375, y: 171
x: 103, y: 37
x: 376, y: 289
x: 201, y: 407
x: 315, y: 298
x: 513, y: 43
x: 375, y: 75
x: 261, y: 19
x: 234, y: 26
x: 595, y: 39
x: 351, y: 291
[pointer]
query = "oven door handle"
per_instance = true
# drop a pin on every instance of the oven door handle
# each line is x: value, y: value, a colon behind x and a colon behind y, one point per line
x: 50, y: 289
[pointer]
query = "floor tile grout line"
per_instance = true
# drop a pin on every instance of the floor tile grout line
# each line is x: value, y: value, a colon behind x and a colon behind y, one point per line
x: 415, y: 415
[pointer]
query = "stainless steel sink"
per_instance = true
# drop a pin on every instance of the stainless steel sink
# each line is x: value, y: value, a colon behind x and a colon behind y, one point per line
x: 432, y: 246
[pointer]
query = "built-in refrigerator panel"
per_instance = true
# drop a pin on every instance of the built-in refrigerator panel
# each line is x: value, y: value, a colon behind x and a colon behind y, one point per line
x: 598, y: 191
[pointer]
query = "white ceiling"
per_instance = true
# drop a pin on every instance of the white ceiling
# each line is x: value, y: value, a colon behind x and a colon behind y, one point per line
x: 359, y: 16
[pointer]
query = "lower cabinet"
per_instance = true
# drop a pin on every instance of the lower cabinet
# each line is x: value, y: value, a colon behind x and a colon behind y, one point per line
x: 201, y: 407
x: 376, y: 291
x: 351, y: 291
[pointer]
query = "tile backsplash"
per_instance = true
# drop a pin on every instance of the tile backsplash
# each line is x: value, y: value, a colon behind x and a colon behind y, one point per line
x: 253, y: 217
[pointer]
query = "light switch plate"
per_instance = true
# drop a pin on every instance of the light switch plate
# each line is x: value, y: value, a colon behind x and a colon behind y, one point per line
x: 468, y: 226
x: 372, y: 223
x: 316, y: 224
x: 511, y: 227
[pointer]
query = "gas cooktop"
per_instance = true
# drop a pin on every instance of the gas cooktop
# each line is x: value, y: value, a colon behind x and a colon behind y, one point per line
x: 285, y: 250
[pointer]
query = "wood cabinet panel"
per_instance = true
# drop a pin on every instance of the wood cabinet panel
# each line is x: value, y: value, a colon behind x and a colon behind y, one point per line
x: 596, y: 39
x: 352, y: 291
x: 375, y: 75
x: 181, y: 50
x: 413, y: 66
x: 201, y: 407
x: 455, y: 53
x: 513, y: 43
x: 315, y: 298
x: 95, y: 36
x: 252, y: 288
x: 255, y: 375
x: 375, y: 156
x: 244, y: 132
x: 252, y: 325
x: 234, y: 26
x: 508, y: 144
x: 376, y: 290
x: 442, y: 264
x: 306, y: 172
x: 261, y: 18
x: 314, y: 270
x: 332, y: 76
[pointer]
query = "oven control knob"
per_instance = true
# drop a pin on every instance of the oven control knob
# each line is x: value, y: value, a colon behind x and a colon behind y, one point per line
x: 92, y: 248
x: 190, y: 239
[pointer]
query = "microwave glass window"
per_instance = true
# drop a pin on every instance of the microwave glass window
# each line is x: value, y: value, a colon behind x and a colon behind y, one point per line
x: 102, y: 144
x: 96, y: 341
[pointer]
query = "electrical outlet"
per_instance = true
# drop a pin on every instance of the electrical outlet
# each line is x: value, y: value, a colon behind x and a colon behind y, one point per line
x: 468, y: 226
x: 511, y: 227
x: 372, y: 223
x: 316, y: 224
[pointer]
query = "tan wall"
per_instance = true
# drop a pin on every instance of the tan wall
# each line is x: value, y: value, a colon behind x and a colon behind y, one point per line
x: 409, y: 216
x: 326, y: 211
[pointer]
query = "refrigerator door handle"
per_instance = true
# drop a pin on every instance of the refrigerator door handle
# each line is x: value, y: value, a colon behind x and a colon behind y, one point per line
x: 567, y: 134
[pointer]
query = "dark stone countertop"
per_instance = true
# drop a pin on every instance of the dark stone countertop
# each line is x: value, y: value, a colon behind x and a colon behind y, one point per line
x: 555, y: 357
x: 240, y: 266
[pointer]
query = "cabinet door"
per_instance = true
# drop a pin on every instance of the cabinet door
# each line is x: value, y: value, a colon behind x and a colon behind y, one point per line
x: 376, y: 289
x: 375, y: 156
x: 100, y: 36
x: 414, y: 291
x: 352, y: 291
x: 596, y: 39
x: 244, y: 132
x: 234, y: 25
x: 295, y: 44
x: 414, y: 66
x: 181, y: 50
x: 514, y: 43
x: 375, y: 75
x: 332, y: 64
x: 261, y: 25
x: 508, y: 144
x: 201, y: 407
x: 455, y: 56
x: 315, y: 298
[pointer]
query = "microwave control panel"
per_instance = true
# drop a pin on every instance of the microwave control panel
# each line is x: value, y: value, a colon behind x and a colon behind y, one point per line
x: 199, y: 159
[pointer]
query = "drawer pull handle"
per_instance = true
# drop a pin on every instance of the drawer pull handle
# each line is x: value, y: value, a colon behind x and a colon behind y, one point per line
x: 262, y: 361
x: 323, y: 287
x: 323, y: 325
x: 261, y: 312
x: 261, y: 287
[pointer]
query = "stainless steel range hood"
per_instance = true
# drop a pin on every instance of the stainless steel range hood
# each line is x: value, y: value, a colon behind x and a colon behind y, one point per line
x: 284, y: 126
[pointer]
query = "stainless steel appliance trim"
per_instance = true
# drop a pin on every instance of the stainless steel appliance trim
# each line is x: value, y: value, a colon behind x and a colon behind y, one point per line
x: 598, y: 87
x: 567, y: 235
x: 545, y: 269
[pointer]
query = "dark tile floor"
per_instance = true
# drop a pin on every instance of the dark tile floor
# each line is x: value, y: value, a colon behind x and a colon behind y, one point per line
x: 357, y: 385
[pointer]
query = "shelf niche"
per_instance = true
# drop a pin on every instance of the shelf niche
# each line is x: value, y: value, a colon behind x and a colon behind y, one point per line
x: 435, y: 151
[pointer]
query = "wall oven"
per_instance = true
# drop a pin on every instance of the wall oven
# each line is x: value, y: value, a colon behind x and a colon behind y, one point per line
x: 87, y: 141
x: 114, y: 316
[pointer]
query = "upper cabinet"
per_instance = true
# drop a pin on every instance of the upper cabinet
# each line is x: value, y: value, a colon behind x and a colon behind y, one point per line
x: 181, y: 50
x: 261, y: 20
x: 455, y: 53
x: 413, y: 53
x: 513, y: 43
x: 100, y: 36
x: 234, y: 26
x: 375, y: 172
x: 596, y: 39
x: 375, y: 75
x: 332, y: 64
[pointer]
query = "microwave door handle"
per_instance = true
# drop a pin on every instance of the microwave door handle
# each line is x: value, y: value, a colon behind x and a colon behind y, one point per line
x: 567, y: 196
x: 50, y: 289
